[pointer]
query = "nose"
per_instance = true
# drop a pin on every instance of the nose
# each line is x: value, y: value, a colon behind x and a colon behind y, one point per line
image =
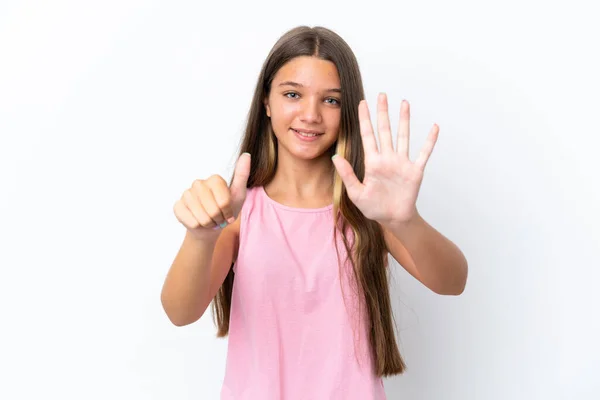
x: 311, y: 112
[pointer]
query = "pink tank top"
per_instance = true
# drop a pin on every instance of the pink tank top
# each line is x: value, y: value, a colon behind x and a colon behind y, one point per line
x: 294, y: 333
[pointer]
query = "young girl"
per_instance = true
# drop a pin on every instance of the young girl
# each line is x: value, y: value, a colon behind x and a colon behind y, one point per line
x: 294, y: 251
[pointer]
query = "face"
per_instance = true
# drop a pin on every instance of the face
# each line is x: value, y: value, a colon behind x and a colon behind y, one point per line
x: 304, y: 107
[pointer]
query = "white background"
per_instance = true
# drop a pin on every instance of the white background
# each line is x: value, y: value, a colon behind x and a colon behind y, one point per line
x: 109, y: 110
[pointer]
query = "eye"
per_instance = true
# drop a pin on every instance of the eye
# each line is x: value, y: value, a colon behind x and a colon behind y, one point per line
x: 334, y: 101
x: 290, y: 94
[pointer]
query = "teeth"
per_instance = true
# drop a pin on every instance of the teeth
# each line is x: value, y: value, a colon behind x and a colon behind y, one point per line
x: 307, y: 134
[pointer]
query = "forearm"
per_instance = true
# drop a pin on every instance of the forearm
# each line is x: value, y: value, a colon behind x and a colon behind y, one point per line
x: 185, y: 291
x: 440, y: 263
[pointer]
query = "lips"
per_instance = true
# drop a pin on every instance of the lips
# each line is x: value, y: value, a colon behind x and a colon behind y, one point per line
x: 306, y: 137
x: 307, y: 133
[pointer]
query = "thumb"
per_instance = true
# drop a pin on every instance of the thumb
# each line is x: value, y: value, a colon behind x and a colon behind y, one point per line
x: 353, y: 186
x: 240, y: 180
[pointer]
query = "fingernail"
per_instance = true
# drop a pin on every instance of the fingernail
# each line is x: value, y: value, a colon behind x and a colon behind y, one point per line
x: 231, y: 220
x: 220, y: 226
x: 334, y: 156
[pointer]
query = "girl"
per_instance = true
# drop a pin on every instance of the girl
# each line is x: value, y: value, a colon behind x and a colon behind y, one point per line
x: 293, y: 253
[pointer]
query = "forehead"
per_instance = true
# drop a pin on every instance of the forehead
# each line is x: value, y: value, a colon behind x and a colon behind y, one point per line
x: 311, y: 72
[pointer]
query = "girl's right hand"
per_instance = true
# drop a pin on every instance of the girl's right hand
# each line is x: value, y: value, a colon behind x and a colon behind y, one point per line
x: 210, y: 204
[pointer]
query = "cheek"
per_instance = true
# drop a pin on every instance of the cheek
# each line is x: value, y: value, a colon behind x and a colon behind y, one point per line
x: 283, y: 114
x: 334, y: 121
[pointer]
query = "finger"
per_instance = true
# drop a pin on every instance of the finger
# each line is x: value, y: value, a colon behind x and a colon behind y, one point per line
x: 428, y: 147
x: 354, y: 186
x: 366, y: 130
x: 383, y: 124
x: 222, y: 196
x: 240, y: 178
x: 203, y: 192
x: 404, y: 129
x: 185, y: 216
x: 193, y: 204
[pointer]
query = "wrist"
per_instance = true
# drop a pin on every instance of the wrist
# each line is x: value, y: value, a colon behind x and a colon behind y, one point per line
x: 401, y: 226
x: 203, y: 238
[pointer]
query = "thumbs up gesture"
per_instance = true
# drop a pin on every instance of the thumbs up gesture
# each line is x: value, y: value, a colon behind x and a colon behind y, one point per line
x: 210, y: 204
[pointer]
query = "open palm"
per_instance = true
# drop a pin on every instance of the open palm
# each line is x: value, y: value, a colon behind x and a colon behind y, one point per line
x: 392, y: 181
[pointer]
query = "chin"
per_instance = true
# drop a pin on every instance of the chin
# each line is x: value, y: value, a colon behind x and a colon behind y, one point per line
x: 309, y: 155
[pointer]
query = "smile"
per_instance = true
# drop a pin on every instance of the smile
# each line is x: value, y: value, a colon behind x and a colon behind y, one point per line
x: 307, y: 135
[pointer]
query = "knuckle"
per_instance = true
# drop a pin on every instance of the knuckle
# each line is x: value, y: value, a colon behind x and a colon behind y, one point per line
x: 177, y: 211
x: 205, y: 221
x: 187, y: 196
x: 216, y: 179
x: 198, y: 184
x: 215, y: 215
x: 224, y: 202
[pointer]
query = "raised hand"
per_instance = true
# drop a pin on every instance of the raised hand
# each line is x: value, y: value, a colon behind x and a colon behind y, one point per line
x: 210, y: 204
x: 388, y: 193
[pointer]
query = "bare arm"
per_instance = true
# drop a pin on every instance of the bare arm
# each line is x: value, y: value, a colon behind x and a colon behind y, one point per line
x: 205, y: 256
x: 428, y: 256
x: 197, y: 273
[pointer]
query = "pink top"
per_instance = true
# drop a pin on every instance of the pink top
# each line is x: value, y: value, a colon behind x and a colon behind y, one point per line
x: 293, y: 332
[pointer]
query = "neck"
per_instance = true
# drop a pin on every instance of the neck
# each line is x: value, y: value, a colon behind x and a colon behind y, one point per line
x: 303, y: 179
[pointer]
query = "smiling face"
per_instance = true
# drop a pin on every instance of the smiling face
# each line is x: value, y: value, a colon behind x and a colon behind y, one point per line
x: 304, y: 107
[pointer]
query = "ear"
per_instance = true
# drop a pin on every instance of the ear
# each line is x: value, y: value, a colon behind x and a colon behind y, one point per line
x: 267, y: 108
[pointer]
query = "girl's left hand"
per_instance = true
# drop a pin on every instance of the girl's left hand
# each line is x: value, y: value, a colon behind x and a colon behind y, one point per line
x: 388, y: 193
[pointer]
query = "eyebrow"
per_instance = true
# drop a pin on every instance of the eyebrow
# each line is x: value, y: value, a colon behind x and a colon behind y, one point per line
x: 296, y: 84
